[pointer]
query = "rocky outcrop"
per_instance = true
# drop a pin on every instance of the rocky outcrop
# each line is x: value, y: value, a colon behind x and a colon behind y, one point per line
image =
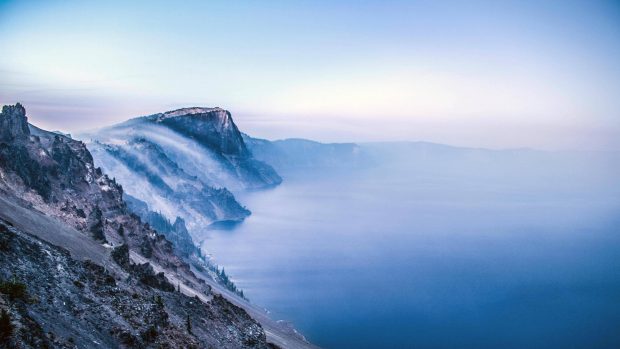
x: 212, y: 127
x: 215, y: 129
x: 13, y: 123
x: 15, y: 158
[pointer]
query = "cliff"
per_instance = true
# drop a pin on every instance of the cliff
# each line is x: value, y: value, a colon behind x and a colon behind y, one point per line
x: 88, y: 271
x: 184, y: 163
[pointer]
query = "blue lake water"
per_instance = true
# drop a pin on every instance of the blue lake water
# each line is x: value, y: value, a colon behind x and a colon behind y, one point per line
x: 389, y: 259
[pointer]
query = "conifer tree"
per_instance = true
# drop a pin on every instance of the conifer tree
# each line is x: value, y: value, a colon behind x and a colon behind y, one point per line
x: 6, y: 328
x: 189, y: 325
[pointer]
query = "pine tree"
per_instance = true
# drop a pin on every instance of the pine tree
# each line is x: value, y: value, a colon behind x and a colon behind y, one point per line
x: 189, y: 325
x: 96, y: 224
x: 6, y: 328
x: 224, y: 277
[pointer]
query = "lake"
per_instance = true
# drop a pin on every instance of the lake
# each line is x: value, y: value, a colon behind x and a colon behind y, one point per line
x: 400, y: 258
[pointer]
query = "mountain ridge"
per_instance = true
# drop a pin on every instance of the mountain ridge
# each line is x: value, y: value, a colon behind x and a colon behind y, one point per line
x: 50, y: 188
x: 183, y: 163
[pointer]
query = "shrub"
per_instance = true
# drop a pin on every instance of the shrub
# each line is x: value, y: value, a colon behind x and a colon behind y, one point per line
x: 150, y: 334
x: 14, y: 289
x: 5, y: 238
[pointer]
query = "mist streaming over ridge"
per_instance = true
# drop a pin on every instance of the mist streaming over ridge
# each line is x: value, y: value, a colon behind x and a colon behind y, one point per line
x: 185, y: 163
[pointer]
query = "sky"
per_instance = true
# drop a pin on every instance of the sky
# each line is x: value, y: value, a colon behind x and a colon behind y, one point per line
x: 497, y: 74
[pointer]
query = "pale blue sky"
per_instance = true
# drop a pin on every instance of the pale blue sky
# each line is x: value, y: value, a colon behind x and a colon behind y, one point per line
x: 542, y: 74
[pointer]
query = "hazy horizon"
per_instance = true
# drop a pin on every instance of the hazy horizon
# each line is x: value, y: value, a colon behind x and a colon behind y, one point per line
x: 272, y: 132
x: 517, y: 74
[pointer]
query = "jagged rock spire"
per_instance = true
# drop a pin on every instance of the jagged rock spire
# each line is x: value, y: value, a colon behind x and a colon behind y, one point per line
x: 13, y: 123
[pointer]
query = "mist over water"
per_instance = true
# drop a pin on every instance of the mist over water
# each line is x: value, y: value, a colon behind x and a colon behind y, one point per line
x: 440, y: 251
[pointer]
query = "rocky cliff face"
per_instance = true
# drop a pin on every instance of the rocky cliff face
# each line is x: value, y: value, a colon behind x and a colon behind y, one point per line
x: 46, y: 177
x: 215, y: 130
x: 183, y: 163
x: 212, y: 127
x: 13, y: 124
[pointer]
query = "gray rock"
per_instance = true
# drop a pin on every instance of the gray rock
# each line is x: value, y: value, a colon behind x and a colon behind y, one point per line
x: 13, y: 123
